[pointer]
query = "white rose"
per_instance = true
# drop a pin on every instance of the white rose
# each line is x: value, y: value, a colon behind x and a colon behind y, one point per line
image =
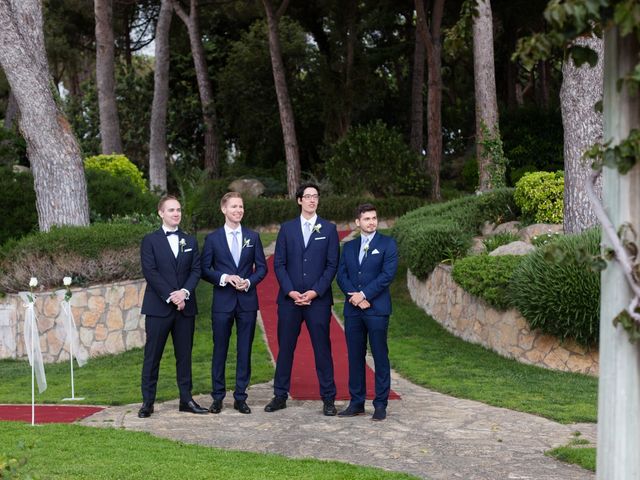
x: 33, y: 282
x: 66, y: 281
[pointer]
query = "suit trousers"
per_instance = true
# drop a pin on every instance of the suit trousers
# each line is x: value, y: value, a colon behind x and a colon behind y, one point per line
x: 221, y: 325
x: 356, y: 329
x: 181, y: 328
x: 317, y: 318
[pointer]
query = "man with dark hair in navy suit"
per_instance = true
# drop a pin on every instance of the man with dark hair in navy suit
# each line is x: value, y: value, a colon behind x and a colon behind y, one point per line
x: 367, y: 267
x: 233, y: 261
x: 305, y: 262
x: 171, y: 267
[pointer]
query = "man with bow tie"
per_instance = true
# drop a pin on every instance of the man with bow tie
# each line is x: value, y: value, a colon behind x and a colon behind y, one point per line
x: 233, y: 261
x: 171, y: 267
x: 367, y: 267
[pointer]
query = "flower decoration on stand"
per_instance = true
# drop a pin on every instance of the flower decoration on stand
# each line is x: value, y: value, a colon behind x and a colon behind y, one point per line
x: 33, y: 283
x: 66, y: 281
x: 317, y: 227
x: 182, y: 244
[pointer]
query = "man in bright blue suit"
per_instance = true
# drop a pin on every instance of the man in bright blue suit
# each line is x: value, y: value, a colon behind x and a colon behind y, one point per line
x: 233, y: 261
x: 305, y: 262
x: 367, y: 267
x: 171, y: 267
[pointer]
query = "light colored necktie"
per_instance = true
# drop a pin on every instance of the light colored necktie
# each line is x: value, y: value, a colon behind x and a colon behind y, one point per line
x: 235, y: 248
x: 306, y: 233
x: 363, y: 249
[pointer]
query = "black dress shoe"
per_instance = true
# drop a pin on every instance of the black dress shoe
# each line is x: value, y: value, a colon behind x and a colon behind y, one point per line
x: 329, y: 408
x: 216, y: 406
x: 192, y: 407
x: 351, y: 411
x: 145, y: 410
x: 276, y: 403
x: 241, y: 406
x: 379, y: 414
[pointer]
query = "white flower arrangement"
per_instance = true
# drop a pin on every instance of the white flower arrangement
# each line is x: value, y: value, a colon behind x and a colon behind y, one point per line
x: 182, y: 244
x: 317, y: 227
x: 66, y: 281
x: 33, y: 283
x: 247, y: 243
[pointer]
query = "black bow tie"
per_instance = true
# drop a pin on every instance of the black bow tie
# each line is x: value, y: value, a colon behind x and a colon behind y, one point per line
x: 175, y: 232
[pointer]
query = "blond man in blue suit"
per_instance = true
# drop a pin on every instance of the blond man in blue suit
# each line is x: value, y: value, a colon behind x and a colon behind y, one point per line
x: 367, y: 267
x: 233, y: 261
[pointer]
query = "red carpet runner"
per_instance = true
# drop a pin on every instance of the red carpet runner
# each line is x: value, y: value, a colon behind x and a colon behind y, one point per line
x: 304, y: 381
x: 47, y: 413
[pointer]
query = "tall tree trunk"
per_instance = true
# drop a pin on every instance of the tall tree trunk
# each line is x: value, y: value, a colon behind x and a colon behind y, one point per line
x: 106, y: 78
x: 432, y: 37
x: 619, y: 383
x: 158, y: 127
x: 581, y: 89
x: 287, y: 119
x: 211, y: 142
x: 485, y: 93
x: 12, y: 112
x: 56, y: 164
x: 417, y: 95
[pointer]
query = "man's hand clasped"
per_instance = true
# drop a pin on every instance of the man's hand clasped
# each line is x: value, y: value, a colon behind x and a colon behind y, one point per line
x: 237, y: 282
x: 178, y: 298
x: 303, y: 299
x: 357, y: 299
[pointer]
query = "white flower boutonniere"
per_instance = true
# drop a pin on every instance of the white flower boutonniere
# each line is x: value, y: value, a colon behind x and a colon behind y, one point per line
x: 366, y: 250
x: 317, y: 227
x: 66, y: 281
x: 247, y: 243
x: 33, y: 282
x: 182, y: 244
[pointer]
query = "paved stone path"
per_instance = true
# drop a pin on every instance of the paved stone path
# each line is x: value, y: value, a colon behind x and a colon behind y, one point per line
x: 426, y: 434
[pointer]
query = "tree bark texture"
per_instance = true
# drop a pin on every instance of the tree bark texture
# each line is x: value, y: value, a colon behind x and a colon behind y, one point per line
x: 581, y: 89
x: 485, y: 90
x: 12, y: 112
x: 158, y: 126
x: 287, y: 119
x: 56, y: 163
x: 431, y: 33
x: 111, y: 142
x: 417, y: 95
x: 211, y: 141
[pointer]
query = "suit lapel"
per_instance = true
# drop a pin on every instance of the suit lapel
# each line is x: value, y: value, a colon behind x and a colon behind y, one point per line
x: 224, y: 245
x: 165, y: 247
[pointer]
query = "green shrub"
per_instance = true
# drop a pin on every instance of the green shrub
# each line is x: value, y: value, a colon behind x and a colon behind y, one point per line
x: 487, y: 277
x: 499, y: 239
x: 540, y: 196
x: 374, y: 158
x: 470, y: 174
x: 19, y: 204
x: 119, y: 166
x: 95, y: 254
x: 442, y: 231
x: 556, y: 289
x: 111, y: 195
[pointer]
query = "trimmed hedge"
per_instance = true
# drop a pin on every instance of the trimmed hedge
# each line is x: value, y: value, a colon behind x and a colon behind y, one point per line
x: 96, y: 254
x: 267, y: 211
x: 19, y: 204
x: 487, y: 277
x: 110, y: 195
x: 444, y: 231
x: 540, y: 196
x: 556, y: 289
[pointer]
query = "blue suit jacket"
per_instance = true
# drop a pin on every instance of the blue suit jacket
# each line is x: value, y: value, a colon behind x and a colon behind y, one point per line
x: 165, y: 273
x: 303, y: 268
x: 217, y: 260
x: 372, y: 277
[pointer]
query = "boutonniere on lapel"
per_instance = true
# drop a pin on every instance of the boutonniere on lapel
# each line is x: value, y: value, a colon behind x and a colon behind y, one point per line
x: 247, y: 243
x: 182, y: 243
x: 317, y: 227
x: 366, y: 250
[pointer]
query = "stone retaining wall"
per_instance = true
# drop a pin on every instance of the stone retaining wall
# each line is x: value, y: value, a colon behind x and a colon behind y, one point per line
x: 107, y: 317
x: 506, y: 333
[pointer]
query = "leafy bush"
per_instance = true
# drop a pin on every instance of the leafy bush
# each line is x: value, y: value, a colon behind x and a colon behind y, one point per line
x: 487, y: 277
x: 374, y: 158
x: 111, y: 195
x: 96, y: 254
x: 433, y: 233
x: 470, y: 174
x: 19, y: 204
x: 499, y: 239
x: 556, y: 289
x: 119, y: 166
x: 540, y: 196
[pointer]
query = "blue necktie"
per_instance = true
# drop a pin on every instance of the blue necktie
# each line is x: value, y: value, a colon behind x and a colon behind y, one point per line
x: 306, y: 232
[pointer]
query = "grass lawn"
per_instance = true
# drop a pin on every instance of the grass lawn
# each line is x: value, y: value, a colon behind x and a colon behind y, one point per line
x: 73, y: 451
x: 577, y: 452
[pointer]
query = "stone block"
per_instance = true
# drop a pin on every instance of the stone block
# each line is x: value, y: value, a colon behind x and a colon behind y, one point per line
x: 90, y: 318
x: 86, y: 336
x: 133, y: 319
x: 55, y: 342
x: 114, y: 319
x: 51, y: 306
x: 96, y: 304
x: 134, y: 339
x: 100, y: 332
x: 97, y: 349
x: 114, y: 342
x: 114, y: 295
x: 130, y: 297
x: 79, y: 298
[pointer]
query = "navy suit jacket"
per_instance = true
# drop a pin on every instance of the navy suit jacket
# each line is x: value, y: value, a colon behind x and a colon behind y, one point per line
x: 372, y: 277
x: 165, y: 273
x: 217, y: 260
x: 303, y: 268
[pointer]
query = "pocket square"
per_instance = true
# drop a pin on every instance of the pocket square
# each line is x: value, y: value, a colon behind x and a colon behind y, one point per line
x: 320, y: 238
x: 187, y: 250
x: 375, y: 252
